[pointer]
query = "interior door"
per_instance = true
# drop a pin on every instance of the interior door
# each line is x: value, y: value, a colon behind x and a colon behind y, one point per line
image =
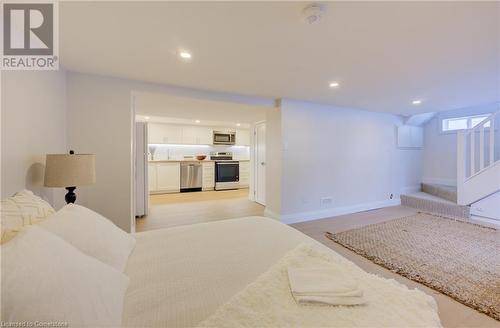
x: 260, y: 163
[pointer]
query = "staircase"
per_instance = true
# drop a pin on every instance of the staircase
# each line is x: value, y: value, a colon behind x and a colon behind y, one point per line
x: 478, y: 161
x: 478, y: 177
x: 438, y: 199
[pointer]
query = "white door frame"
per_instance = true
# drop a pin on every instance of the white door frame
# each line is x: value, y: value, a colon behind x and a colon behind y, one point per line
x: 255, y: 166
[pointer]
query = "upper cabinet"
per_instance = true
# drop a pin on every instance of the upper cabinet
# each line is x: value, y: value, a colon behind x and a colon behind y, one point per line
x: 196, y: 135
x: 159, y: 133
x: 205, y: 135
x: 243, y: 137
x: 164, y: 133
x: 155, y: 133
x: 189, y: 135
x: 410, y: 137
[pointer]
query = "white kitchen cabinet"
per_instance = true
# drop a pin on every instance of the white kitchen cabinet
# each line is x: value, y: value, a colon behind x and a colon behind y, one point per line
x: 152, y: 186
x: 243, y: 137
x: 208, y: 181
x: 205, y: 136
x: 168, y: 177
x: 159, y: 133
x: 244, y: 174
x: 173, y: 134
x: 189, y: 135
x: 417, y: 137
x: 410, y: 136
x: 196, y: 135
x: 155, y: 133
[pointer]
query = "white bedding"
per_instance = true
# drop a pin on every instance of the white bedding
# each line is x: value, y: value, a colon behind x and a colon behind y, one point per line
x: 267, y: 302
x: 181, y: 276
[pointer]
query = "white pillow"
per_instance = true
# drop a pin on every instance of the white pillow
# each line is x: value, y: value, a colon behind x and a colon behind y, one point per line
x: 22, y: 209
x: 92, y: 234
x: 45, y: 279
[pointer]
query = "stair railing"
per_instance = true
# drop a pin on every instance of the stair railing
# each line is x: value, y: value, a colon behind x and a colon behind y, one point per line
x: 466, y: 151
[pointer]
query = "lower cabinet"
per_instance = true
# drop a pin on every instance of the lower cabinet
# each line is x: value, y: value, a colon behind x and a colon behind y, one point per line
x: 244, y: 174
x: 208, y: 181
x: 152, y: 177
x: 164, y: 177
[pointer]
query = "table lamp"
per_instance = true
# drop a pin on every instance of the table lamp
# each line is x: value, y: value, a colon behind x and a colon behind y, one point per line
x: 69, y: 171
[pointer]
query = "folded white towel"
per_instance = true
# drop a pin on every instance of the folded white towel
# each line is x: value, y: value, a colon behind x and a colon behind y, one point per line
x: 330, y: 300
x: 353, y: 293
x: 327, y: 279
x: 328, y: 285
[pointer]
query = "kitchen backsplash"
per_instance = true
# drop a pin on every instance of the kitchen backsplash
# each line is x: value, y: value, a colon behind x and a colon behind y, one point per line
x: 176, y: 152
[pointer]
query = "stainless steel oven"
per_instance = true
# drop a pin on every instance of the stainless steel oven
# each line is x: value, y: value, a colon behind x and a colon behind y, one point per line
x: 224, y: 138
x: 227, y: 175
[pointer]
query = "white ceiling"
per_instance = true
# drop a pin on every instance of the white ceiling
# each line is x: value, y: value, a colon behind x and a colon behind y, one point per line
x: 384, y: 54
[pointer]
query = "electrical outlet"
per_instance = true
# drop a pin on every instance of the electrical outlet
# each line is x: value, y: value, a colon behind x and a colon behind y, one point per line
x: 326, y: 201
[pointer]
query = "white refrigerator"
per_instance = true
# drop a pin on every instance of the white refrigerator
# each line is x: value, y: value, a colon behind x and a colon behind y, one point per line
x: 141, y: 169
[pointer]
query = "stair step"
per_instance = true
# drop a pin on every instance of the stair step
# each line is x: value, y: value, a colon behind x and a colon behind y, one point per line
x: 434, y: 204
x: 442, y: 191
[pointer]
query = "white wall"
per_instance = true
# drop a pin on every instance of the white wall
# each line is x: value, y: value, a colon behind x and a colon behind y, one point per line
x: 100, y: 121
x: 440, y: 149
x: 348, y: 155
x: 440, y: 155
x: 274, y: 163
x: 33, y: 125
x: 488, y: 207
x: 191, y: 108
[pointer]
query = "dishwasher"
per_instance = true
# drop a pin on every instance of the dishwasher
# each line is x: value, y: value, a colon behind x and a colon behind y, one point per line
x: 191, y: 176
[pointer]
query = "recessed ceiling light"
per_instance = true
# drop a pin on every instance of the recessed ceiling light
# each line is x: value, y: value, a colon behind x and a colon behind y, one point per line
x: 334, y: 84
x: 238, y: 124
x: 146, y: 117
x: 185, y: 55
x: 416, y: 102
x: 197, y: 121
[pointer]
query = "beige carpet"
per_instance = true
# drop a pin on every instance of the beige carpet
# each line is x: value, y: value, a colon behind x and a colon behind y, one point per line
x: 459, y: 259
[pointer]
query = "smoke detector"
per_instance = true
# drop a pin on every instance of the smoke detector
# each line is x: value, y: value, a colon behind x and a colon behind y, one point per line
x: 312, y: 13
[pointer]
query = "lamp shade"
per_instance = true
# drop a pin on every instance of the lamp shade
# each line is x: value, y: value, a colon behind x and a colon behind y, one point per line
x: 69, y: 170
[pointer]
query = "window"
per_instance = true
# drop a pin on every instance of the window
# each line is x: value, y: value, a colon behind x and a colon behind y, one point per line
x: 462, y: 123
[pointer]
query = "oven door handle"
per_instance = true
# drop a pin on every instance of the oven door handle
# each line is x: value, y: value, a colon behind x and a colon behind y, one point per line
x: 227, y: 163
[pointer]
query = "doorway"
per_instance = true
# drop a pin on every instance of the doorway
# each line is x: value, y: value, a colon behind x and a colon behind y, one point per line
x: 180, y: 132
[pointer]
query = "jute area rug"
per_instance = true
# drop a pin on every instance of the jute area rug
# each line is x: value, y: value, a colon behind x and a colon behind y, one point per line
x: 459, y: 259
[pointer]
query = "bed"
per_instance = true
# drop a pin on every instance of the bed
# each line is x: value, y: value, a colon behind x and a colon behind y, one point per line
x: 229, y: 273
x: 181, y: 276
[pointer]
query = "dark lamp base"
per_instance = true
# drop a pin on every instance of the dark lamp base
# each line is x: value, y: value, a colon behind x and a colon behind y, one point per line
x: 70, y: 196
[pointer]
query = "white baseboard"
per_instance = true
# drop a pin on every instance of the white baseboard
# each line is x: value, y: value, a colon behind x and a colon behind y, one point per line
x: 326, y: 213
x: 448, y: 182
x: 270, y: 214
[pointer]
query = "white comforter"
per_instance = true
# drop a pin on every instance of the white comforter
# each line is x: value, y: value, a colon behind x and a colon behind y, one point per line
x: 181, y: 276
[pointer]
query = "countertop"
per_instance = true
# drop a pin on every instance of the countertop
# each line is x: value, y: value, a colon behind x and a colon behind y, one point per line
x: 190, y: 160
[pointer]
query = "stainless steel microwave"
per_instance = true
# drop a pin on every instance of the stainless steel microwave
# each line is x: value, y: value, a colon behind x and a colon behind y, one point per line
x: 224, y: 138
